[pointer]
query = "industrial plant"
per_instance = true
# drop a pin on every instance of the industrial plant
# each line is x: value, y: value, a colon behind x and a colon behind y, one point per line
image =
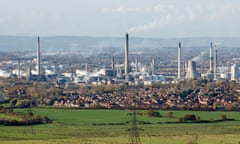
x: 127, y: 67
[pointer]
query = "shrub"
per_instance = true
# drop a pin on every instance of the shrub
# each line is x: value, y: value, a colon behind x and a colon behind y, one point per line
x: 169, y: 114
x: 13, y: 102
x: 223, y: 117
x: 180, y: 119
x: 22, y: 104
x: 152, y: 113
x: 190, y: 117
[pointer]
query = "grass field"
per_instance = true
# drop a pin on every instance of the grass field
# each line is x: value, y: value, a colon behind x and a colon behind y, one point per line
x: 96, y: 127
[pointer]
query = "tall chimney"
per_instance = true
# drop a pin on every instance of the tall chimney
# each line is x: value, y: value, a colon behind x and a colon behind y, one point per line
x: 86, y: 67
x: 28, y: 72
x: 179, y: 60
x: 215, y: 63
x: 153, y: 66
x: 233, y: 72
x: 126, y: 57
x: 211, y: 58
x: 19, y: 70
x: 113, y: 66
x: 136, y: 61
x: 38, y: 57
x: 113, y: 63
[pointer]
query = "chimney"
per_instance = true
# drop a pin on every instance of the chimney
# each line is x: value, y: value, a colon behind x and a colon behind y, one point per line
x: 179, y: 60
x: 136, y: 62
x: 28, y: 72
x: 86, y: 67
x: 233, y: 72
x: 19, y: 70
x: 38, y: 57
x: 215, y: 63
x: 113, y: 66
x: 211, y: 58
x: 153, y: 66
x: 113, y: 63
x: 126, y: 57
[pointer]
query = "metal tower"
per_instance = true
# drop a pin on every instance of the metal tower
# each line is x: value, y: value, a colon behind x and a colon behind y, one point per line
x: 134, y: 130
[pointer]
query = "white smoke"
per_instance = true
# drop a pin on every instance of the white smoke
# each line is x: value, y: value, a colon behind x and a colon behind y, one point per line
x: 200, y: 56
x: 173, y: 15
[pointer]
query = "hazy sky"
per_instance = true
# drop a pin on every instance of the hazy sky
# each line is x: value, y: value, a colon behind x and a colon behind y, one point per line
x: 145, y: 18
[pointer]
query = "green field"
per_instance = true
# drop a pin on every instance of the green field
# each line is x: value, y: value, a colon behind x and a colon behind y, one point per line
x: 99, y: 127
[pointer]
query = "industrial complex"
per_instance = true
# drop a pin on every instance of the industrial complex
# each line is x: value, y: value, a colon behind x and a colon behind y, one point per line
x: 131, y: 68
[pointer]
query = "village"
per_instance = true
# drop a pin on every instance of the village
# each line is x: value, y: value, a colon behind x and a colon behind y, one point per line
x: 187, y: 95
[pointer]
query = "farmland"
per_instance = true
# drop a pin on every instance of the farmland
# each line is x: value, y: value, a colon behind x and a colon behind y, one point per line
x: 110, y: 126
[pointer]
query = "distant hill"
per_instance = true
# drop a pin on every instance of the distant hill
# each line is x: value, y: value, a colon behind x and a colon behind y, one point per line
x: 99, y: 44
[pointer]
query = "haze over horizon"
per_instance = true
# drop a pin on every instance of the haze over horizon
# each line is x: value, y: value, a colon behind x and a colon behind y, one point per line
x: 140, y: 18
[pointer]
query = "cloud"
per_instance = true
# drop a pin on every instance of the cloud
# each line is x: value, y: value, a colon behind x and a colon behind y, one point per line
x: 122, y: 9
x: 159, y: 8
x: 219, y: 12
x: 3, y: 19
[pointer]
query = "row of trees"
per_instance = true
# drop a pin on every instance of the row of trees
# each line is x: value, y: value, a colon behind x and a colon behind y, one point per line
x: 22, y: 119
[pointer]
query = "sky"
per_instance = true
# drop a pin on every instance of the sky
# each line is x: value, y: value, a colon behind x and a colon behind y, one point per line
x: 114, y: 18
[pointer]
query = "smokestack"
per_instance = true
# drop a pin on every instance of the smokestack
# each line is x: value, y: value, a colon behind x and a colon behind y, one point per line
x: 136, y: 61
x: 38, y: 57
x: 233, y: 72
x: 153, y: 66
x: 215, y: 63
x: 179, y: 60
x: 211, y: 58
x: 86, y: 67
x: 113, y: 66
x: 126, y: 57
x: 113, y: 63
x: 19, y: 68
x: 28, y: 72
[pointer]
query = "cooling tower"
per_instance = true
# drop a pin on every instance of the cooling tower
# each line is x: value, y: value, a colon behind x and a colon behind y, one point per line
x: 191, y: 71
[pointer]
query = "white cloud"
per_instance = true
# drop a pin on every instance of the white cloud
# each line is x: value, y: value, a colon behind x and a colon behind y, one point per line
x: 5, y: 18
x: 219, y: 12
x: 159, y: 8
x: 122, y: 9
